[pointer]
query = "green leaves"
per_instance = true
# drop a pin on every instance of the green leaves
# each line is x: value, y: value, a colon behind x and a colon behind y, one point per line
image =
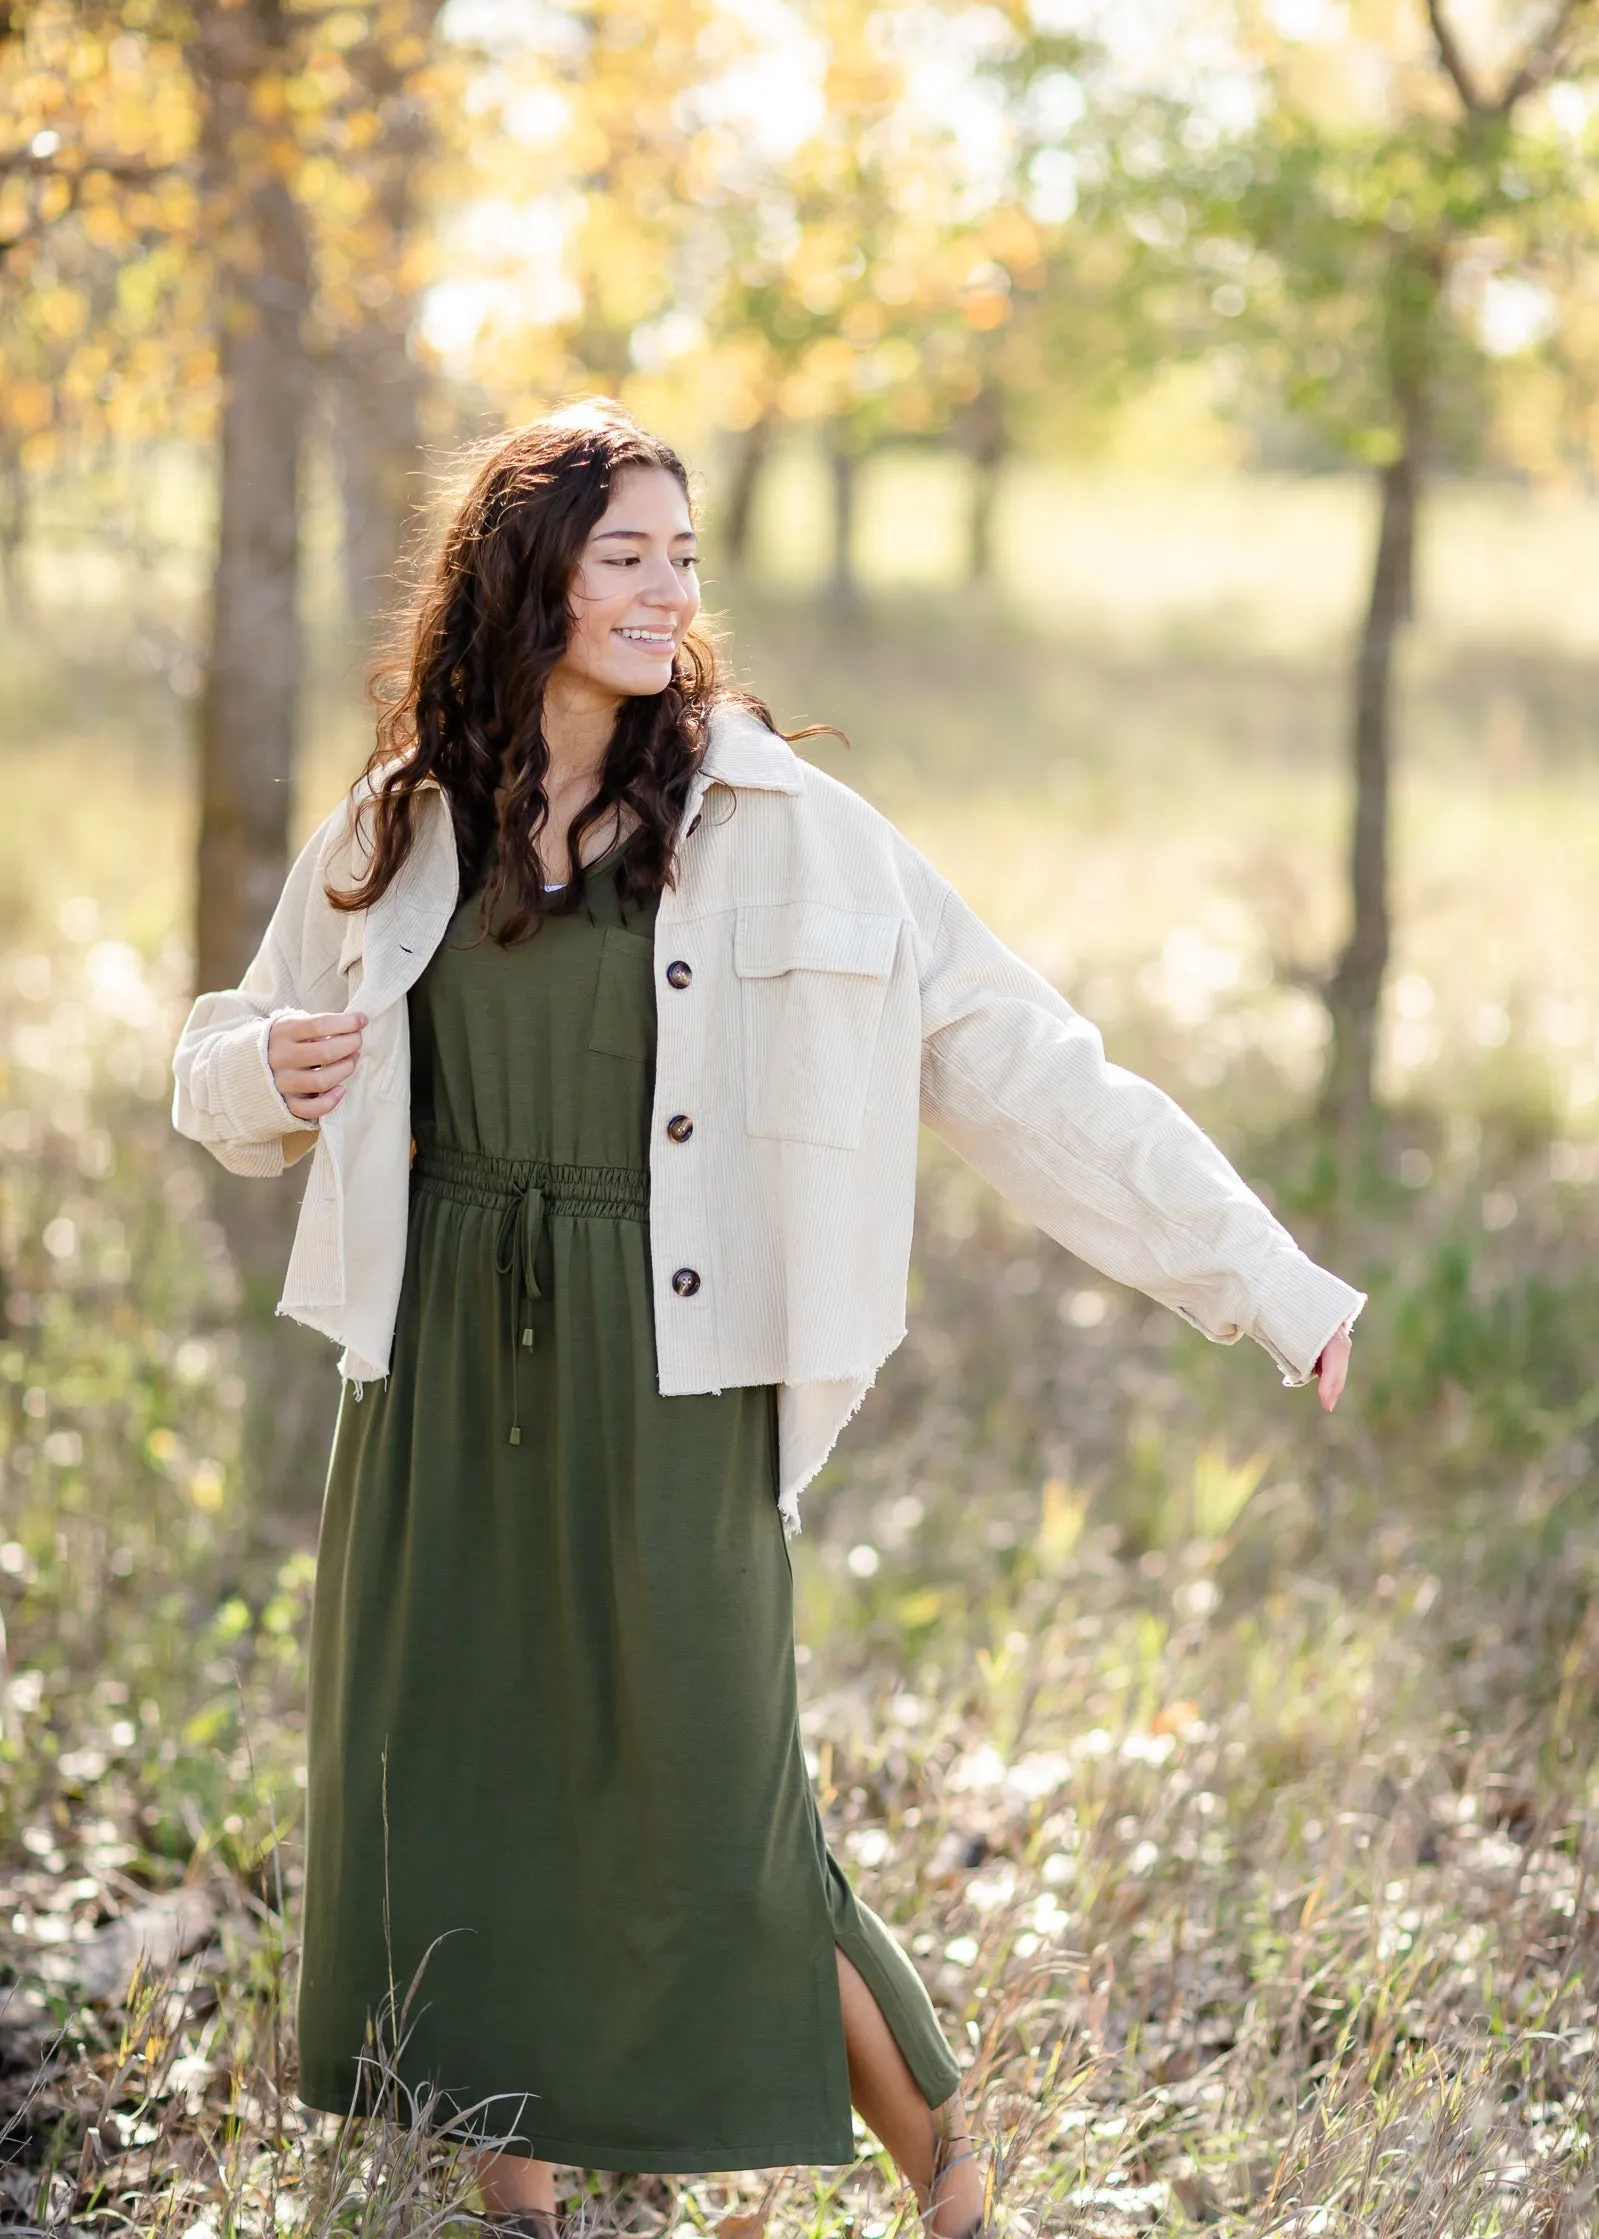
x: 1338, y: 247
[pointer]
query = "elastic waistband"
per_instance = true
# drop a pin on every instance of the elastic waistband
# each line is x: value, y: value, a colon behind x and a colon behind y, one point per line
x: 473, y: 1178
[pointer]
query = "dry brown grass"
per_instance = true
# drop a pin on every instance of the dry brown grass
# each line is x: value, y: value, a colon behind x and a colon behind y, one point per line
x: 1234, y: 1935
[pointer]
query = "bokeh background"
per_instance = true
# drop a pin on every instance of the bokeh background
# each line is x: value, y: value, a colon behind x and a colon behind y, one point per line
x: 1162, y: 436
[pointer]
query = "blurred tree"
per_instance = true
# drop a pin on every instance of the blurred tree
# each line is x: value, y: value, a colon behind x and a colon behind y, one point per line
x: 198, y: 210
x: 390, y: 114
x: 870, y: 266
x: 1347, y: 253
x: 314, y: 139
x: 752, y: 448
x: 845, y: 266
x: 1060, y: 326
x: 311, y: 142
x: 981, y: 431
x: 199, y: 213
x: 577, y: 243
x: 13, y: 528
x: 104, y: 328
x: 244, y: 59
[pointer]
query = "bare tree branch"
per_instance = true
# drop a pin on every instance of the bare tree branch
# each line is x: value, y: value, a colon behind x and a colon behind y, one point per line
x: 126, y: 171
x: 1454, y: 61
x: 37, y: 225
x: 1543, y: 58
x: 1538, y: 65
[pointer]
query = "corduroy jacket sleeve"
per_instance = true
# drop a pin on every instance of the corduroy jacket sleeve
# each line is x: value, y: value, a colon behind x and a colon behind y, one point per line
x: 1018, y: 1082
x: 225, y: 1095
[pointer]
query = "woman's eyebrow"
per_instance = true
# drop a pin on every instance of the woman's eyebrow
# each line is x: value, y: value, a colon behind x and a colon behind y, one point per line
x: 641, y: 536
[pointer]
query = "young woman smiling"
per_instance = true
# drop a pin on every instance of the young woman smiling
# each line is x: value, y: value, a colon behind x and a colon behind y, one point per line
x: 609, y: 1023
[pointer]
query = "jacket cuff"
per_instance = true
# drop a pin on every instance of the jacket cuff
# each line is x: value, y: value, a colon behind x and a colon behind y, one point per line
x: 1303, y: 1309
x: 252, y: 1109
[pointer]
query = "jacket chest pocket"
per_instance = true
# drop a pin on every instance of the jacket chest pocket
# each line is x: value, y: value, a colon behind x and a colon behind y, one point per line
x: 812, y: 982
x: 624, y: 997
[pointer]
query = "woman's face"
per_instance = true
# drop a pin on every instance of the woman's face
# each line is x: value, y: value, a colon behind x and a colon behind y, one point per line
x: 634, y: 594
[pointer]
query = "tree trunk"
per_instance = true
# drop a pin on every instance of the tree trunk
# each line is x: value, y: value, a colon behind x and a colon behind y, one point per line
x: 376, y: 388
x: 754, y: 448
x: 982, y: 436
x: 980, y: 522
x: 249, y: 712
x: 1354, y: 993
x: 377, y: 385
x: 844, y: 588
x: 13, y: 533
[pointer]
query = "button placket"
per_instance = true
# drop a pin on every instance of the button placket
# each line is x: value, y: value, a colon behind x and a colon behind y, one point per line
x: 688, y: 1338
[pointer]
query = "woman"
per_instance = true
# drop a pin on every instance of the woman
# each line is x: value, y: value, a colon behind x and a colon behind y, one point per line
x: 609, y: 1023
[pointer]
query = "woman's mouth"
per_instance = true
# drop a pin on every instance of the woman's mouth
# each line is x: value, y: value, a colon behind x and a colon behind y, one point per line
x: 660, y: 638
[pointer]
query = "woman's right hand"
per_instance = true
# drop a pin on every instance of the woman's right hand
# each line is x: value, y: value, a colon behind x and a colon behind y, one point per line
x: 312, y: 1057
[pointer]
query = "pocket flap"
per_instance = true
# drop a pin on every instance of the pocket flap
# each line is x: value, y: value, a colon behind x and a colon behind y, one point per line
x: 624, y: 997
x: 771, y: 938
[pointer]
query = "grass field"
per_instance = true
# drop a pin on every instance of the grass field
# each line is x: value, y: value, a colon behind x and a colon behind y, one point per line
x: 1230, y: 1772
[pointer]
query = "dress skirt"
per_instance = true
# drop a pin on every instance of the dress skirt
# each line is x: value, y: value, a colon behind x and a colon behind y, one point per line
x: 566, y: 1880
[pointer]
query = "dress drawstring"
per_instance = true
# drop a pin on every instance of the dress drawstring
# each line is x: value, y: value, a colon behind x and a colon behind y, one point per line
x: 524, y: 1195
x: 516, y: 1255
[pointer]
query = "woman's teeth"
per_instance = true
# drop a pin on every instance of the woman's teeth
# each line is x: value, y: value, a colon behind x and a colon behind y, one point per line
x: 646, y: 637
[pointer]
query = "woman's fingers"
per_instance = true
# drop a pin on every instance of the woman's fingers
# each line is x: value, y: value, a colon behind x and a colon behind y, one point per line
x: 1332, y: 1370
x: 311, y: 1080
x: 309, y: 1038
x: 312, y: 1056
x: 323, y: 1049
x: 314, y: 1026
x: 312, y: 1107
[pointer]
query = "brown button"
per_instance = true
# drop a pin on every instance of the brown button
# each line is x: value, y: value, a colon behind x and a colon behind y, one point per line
x: 685, y: 1282
x: 680, y: 1127
x: 678, y: 973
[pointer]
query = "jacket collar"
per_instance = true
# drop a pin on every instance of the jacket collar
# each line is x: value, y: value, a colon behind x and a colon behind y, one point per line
x: 741, y: 751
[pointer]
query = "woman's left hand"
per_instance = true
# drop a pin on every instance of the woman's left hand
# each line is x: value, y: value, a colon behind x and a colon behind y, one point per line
x: 1332, y: 1369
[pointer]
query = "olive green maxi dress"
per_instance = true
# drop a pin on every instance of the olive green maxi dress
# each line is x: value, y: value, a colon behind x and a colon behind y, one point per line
x: 558, y: 1805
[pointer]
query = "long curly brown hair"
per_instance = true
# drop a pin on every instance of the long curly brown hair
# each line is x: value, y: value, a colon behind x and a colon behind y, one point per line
x: 462, y: 699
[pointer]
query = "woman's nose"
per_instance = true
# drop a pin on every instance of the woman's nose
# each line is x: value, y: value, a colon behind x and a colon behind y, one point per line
x: 666, y: 588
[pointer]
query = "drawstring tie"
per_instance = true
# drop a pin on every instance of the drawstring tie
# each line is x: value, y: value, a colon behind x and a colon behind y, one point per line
x: 516, y: 1254
x: 524, y: 1195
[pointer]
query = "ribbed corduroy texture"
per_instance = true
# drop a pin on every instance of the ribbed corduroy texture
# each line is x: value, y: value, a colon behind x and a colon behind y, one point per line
x: 838, y: 989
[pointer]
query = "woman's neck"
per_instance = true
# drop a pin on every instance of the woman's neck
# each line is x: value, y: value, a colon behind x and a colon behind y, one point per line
x: 578, y: 722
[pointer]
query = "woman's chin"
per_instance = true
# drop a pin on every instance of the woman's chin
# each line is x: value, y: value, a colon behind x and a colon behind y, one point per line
x: 641, y: 680
x: 628, y: 676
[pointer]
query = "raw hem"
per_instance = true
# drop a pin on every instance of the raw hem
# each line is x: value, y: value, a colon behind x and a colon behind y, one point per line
x: 628, y: 2160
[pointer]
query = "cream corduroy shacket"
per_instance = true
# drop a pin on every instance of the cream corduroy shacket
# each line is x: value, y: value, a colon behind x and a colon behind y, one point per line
x: 836, y: 991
